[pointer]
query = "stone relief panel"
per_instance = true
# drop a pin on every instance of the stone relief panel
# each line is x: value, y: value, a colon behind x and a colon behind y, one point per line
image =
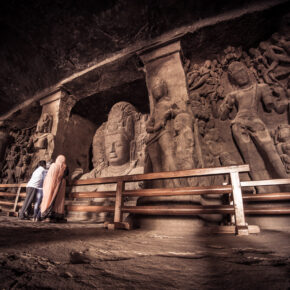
x: 16, y: 166
x: 240, y: 107
x: 4, y: 141
x: 23, y: 148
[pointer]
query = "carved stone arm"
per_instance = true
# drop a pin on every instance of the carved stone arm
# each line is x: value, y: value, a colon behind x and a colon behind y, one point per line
x: 267, y: 97
x: 226, y: 106
x: 150, y: 125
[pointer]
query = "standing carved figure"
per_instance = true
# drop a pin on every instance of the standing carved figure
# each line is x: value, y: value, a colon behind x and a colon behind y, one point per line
x: 4, y: 139
x: 184, y: 139
x: 43, y: 139
x: 282, y: 140
x: 247, y: 127
x: 160, y: 142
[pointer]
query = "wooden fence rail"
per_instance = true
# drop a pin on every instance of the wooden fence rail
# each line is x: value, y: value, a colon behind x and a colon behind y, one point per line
x: 17, y: 195
x: 234, y: 190
x: 119, y: 209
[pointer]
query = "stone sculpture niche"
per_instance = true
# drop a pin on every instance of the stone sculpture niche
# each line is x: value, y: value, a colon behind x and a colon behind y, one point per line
x: 117, y: 150
x: 247, y: 127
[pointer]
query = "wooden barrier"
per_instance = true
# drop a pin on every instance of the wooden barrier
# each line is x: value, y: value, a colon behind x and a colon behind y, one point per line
x: 14, y: 204
x: 276, y: 196
x: 234, y: 190
x: 241, y: 226
x: 237, y: 209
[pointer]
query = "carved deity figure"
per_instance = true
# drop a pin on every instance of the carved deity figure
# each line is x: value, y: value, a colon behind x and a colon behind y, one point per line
x: 276, y: 54
x: 247, y: 127
x: 282, y: 140
x: 184, y: 140
x: 160, y: 144
x: 45, y: 125
x: 119, y: 141
x: 4, y: 140
x: 99, y: 159
x: 119, y: 146
x: 43, y: 138
x: 115, y: 155
x: 11, y: 161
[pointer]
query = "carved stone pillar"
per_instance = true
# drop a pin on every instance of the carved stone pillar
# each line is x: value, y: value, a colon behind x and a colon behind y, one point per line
x: 58, y: 106
x: 165, y: 63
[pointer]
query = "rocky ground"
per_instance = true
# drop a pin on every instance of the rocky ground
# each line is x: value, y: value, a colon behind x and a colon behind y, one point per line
x: 84, y: 256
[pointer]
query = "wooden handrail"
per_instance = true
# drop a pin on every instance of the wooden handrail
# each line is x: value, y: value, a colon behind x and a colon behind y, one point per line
x: 4, y: 202
x: 234, y: 189
x: 90, y: 208
x: 158, y: 210
x: 223, y: 189
x: 267, y: 196
x: 11, y: 194
x: 13, y: 185
x: 267, y: 210
x: 164, y: 175
x: 265, y: 182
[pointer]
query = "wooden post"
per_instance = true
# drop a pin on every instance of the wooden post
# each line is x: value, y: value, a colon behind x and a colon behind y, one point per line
x: 119, y: 202
x: 17, y: 198
x: 241, y: 225
x: 118, y: 215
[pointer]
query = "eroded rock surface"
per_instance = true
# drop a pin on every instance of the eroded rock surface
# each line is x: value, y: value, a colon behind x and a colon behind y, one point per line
x: 85, y: 256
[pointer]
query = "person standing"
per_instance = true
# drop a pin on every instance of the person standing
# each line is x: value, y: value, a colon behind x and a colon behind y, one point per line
x: 52, y: 205
x: 39, y: 196
x: 35, y: 183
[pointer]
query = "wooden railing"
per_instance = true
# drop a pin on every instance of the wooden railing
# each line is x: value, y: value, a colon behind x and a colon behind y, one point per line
x: 9, y: 205
x: 234, y: 189
x: 277, y: 196
x: 236, y: 209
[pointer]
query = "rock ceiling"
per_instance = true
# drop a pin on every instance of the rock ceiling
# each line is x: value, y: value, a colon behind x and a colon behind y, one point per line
x: 43, y: 42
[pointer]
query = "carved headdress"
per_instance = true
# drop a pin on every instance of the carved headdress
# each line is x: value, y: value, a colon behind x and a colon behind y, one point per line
x: 121, y: 120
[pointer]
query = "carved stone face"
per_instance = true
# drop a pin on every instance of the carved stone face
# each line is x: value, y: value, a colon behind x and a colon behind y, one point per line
x: 240, y: 76
x: 117, y: 149
x: 178, y: 124
x: 284, y: 134
x: 182, y: 121
x: 159, y: 89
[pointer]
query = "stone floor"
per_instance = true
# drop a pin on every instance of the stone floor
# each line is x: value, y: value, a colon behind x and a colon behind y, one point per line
x: 85, y: 256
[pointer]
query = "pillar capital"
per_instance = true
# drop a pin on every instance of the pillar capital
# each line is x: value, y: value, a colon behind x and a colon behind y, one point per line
x: 165, y: 63
x: 52, y: 96
x: 152, y: 55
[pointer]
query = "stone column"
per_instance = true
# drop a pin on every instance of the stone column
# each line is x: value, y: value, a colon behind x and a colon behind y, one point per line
x: 58, y: 105
x: 165, y: 63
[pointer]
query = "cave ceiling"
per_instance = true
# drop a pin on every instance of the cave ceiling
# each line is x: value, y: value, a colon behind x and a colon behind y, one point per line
x: 43, y: 42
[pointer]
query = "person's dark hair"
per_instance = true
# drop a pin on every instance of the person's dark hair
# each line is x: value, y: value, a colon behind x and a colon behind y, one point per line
x: 42, y: 163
